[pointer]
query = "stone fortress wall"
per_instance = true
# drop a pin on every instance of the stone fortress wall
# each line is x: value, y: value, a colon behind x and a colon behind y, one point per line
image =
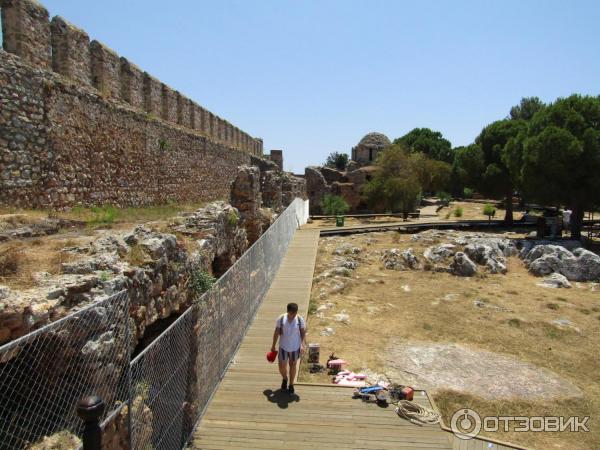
x: 81, y: 125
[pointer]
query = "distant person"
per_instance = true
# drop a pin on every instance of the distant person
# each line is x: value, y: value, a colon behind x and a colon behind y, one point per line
x: 290, y: 328
x: 566, y: 217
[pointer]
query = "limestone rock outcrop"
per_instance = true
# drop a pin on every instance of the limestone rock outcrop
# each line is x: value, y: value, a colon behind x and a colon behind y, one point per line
x: 462, y: 266
x: 246, y: 197
x: 578, y: 265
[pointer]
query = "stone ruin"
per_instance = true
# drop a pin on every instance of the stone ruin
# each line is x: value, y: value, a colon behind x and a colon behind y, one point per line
x: 81, y: 125
x: 323, y: 180
x: 157, y: 282
x: 157, y: 287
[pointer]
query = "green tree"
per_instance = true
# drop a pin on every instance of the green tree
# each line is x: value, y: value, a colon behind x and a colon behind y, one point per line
x: 431, y: 143
x: 334, y: 205
x: 561, y: 156
x: 395, y: 186
x: 497, y: 177
x: 337, y: 160
x: 467, y: 168
x: 526, y: 109
x: 433, y: 175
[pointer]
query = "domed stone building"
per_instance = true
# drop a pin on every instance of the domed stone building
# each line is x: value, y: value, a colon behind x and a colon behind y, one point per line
x: 369, y: 146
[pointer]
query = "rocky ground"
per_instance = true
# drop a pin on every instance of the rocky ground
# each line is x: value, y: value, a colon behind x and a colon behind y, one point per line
x: 423, y: 308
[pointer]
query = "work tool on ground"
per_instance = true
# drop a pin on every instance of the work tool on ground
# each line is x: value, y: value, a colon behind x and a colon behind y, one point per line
x: 400, y: 392
x: 377, y: 394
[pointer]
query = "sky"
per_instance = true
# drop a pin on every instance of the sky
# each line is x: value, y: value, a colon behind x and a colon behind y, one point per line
x: 313, y: 76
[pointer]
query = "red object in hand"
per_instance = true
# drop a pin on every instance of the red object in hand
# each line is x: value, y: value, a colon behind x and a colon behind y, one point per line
x: 271, y: 356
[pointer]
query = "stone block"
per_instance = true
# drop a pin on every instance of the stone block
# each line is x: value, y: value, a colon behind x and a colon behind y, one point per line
x: 229, y: 131
x: 198, y: 116
x: 132, y: 84
x: 26, y: 31
x: 152, y: 95
x: 277, y: 157
x: 106, y: 70
x: 204, y: 120
x: 71, y: 51
x: 183, y: 111
x: 169, y: 104
x: 236, y: 137
x: 214, y: 126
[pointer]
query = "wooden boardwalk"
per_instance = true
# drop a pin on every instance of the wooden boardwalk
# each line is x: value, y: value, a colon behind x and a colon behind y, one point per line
x: 249, y: 411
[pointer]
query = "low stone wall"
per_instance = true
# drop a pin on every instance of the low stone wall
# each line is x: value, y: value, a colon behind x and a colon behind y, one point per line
x: 63, y: 144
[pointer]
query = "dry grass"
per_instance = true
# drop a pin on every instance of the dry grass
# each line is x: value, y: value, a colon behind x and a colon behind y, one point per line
x: 471, y: 211
x: 63, y: 440
x: 21, y: 260
x: 11, y: 259
x: 100, y: 216
x: 10, y: 221
x: 137, y: 255
x: 521, y: 328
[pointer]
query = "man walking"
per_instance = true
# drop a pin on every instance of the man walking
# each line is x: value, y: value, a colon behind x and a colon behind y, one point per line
x: 290, y: 328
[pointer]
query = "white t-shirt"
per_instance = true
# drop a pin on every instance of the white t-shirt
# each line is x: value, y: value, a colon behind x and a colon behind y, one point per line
x: 290, y: 339
x: 567, y: 217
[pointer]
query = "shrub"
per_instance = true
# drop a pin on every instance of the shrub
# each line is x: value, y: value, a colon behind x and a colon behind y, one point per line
x: 458, y: 211
x: 164, y: 145
x: 334, y: 205
x: 444, y: 197
x: 232, y: 218
x: 104, y: 276
x: 11, y: 260
x: 103, y: 215
x: 468, y: 193
x: 137, y: 255
x: 201, y: 281
x: 489, y: 210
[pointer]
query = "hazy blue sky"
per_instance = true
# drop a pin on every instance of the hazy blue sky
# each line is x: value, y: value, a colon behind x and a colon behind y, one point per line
x: 311, y: 77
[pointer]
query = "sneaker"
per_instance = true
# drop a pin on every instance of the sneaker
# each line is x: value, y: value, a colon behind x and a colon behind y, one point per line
x: 291, y: 389
x: 283, y: 384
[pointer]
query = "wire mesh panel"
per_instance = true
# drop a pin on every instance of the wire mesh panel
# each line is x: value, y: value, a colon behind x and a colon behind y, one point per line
x: 234, y: 311
x: 166, y: 387
x: 160, y: 378
x: 208, y: 358
x: 45, y: 373
x: 258, y: 275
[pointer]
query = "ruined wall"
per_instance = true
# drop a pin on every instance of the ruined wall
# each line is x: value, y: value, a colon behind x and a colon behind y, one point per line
x: 277, y: 157
x: 79, y: 124
x: 62, y: 144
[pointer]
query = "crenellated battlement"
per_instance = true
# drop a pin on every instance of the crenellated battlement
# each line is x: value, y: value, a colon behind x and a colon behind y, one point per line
x: 67, y: 50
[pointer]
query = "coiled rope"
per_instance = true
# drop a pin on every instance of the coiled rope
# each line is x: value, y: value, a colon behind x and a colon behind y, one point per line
x: 415, y: 413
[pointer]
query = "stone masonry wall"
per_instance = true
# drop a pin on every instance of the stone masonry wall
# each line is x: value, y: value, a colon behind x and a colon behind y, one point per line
x: 78, y: 123
x: 62, y: 144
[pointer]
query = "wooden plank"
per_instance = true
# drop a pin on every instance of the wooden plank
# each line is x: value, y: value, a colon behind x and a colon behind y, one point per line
x: 243, y: 413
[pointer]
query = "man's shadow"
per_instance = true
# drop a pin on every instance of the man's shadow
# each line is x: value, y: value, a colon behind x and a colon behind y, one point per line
x: 281, y: 397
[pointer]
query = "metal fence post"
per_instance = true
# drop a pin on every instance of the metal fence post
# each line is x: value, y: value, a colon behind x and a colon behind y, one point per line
x: 90, y: 409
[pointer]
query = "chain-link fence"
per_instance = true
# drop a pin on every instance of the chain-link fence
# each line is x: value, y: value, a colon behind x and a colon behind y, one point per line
x: 176, y: 375
x: 167, y: 387
x: 43, y: 374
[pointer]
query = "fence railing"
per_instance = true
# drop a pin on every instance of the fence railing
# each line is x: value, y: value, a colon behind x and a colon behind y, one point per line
x: 43, y: 374
x: 167, y: 387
